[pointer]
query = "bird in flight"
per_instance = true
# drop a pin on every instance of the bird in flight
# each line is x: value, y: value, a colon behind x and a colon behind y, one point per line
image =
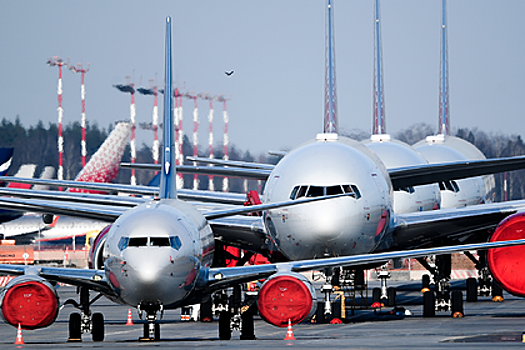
x: 228, y: 73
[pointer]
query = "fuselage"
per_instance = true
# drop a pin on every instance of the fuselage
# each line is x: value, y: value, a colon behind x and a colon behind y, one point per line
x: 458, y: 193
x: 351, y: 225
x: 154, y: 252
x: 394, y: 154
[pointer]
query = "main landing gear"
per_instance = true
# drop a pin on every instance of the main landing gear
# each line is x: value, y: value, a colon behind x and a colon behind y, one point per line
x: 85, y: 322
x: 238, y: 315
x: 443, y: 299
x: 484, y: 285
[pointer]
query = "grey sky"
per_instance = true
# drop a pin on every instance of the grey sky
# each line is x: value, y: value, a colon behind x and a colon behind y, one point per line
x: 277, y: 50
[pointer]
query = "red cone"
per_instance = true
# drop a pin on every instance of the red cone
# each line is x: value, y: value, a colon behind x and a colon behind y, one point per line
x: 19, y: 339
x: 289, y: 331
x: 130, y: 320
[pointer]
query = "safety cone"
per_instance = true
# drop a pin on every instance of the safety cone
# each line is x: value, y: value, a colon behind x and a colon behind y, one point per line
x: 289, y: 331
x: 130, y: 320
x: 19, y: 339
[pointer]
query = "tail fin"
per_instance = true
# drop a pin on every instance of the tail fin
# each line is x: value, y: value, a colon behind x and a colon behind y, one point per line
x: 27, y: 171
x: 330, y: 97
x: 105, y: 163
x: 6, y: 158
x: 168, y: 177
x: 47, y: 174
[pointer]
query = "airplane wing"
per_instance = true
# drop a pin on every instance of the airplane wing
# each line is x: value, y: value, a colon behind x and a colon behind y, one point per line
x: 250, y: 174
x: 245, y: 232
x: 232, y: 163
x: 431, y: 173
x: 219, y: 278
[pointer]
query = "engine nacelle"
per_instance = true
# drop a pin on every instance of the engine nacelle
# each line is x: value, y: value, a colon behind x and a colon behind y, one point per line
x: 96, y: 251
x: 507, y: 264
x: 287, y: 296
x: 30, y: 301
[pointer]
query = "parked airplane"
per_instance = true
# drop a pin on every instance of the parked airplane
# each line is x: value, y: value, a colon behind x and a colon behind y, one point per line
x: 157, y: 255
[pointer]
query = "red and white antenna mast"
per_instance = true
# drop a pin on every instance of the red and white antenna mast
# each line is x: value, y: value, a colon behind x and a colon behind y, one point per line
x: 130, y: 88
x: 57, y: 61
x: 178, y: 135
x: 225, y: 141
x: 211, y: 187
x: 155, y: 120
x: 82, y: 71
x: 195, y: 138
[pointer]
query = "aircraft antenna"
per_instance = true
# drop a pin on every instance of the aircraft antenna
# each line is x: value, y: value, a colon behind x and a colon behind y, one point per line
x: 379, y: 126
x: 130, y: 88
x: 330, y: 108
x: 58, y: 62
x: 82, y: 71
x: 444, y: 110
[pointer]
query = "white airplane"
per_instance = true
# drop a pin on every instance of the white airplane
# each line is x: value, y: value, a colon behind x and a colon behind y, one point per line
x: 157, y: 255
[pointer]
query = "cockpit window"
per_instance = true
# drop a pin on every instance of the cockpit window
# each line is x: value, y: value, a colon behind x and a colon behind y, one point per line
x: 315, y: 191
x: 409, y: 189
x: 318, y: 191
x: 123, y: 243
x: 138, y: 241
x: 159, y: 241
x: 449, y: 186
x: 175, y: 242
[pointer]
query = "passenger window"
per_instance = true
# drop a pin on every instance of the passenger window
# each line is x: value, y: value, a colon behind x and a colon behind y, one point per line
x: 333, y: 190
x: 123, y: 243
x: 159, y: 241
x: 138, y: 241
x: 315, y: 191
x: 175, y: 242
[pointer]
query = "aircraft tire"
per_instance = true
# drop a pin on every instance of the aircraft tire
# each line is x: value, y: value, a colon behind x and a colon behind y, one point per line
x: 157, y: 331
x: 97, y: 331
x: 247, y: 328
x: 429, y: 304
x: 336, y: 309
x: 425, y: 281
x: 225, y: 331
x: 457, y: 304
x: 206, y: 314
x: 472, y: 290
x: 497, y: 291
x: 319, y: 315
x: 391, y: 292
x: 75, y: 333
x: 376, y: 295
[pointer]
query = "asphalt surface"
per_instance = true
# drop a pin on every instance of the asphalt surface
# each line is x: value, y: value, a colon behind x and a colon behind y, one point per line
x: 486, y: 325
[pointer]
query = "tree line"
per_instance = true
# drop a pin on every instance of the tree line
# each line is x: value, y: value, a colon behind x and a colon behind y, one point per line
x: 38, y: 145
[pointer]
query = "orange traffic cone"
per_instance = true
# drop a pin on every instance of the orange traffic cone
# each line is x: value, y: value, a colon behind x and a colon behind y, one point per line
x: 130, y: 320
x: 289, y: 331
x: 19, y: 339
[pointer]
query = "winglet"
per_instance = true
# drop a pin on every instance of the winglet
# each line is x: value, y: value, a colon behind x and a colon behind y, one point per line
x: 168, y: 187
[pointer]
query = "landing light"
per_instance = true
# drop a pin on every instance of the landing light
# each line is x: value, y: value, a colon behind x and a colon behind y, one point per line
x: 218, y: 276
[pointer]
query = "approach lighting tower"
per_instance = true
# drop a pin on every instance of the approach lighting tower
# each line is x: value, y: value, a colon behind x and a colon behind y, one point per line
x: 82, y: 71
x: 155, y: 119
x: 178, y: 135
x: 130, y: 88
x: 195, y: 138
x: 58, y: 62
x: 211, y: 186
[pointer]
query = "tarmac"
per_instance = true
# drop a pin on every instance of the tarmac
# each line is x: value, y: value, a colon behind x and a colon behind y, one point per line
x: 486, y: 325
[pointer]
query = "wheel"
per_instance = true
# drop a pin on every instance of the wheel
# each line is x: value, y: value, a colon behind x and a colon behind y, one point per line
x: 97, y: 331
x: 336, y: 309
x: 376, y: 295
x: 225, y: 330
x: 457, y: 304
x: 391, y: 292
x: 472, y: 290
x: 75, y: 333
x: 157, y: 331
x: 429, y: 304
x: 319, y: 315
x: 146, y: 331
x: 425, y: 282
x: 497, y: 291
x: 206, y: 311
x: 247, y: 329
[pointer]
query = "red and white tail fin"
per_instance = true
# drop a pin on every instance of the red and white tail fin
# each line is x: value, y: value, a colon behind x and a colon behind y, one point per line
x: 27, y: 171
x: 105, y: 163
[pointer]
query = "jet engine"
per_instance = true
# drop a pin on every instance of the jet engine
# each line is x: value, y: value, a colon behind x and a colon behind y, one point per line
x: 30, y: 301
x: 286, y: 297
x: 506, y: 264
x: 95, y: 257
